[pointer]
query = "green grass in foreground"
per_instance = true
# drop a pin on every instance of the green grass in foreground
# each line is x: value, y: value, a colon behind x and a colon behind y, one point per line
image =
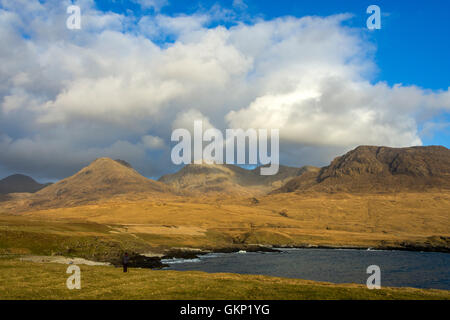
x: 28, y: 280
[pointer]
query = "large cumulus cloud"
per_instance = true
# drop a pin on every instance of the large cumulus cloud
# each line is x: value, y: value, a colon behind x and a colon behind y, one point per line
x: 118, y: 86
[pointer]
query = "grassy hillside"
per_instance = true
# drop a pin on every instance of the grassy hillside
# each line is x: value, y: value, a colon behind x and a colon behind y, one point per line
x: 28, y: 280
x: 94, y: 231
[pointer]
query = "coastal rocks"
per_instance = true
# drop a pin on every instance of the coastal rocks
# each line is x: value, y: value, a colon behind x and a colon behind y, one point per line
x: 141, y: 261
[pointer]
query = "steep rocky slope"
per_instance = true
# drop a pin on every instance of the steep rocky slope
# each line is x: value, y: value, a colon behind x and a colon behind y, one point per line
x: 379, y: 169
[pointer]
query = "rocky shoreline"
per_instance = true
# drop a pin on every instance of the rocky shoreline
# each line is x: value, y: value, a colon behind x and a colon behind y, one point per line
x: 155, y: 260
x: 139, y: 260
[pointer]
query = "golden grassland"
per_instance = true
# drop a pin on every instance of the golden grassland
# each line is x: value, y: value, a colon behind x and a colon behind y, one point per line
x: 143, y: 224
x: 28, y: 280
x: 366, y: 220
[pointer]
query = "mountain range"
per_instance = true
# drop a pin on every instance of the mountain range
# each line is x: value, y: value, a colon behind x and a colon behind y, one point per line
x: 376, y: 197
x: 364, y: 169
x: 229, y: 179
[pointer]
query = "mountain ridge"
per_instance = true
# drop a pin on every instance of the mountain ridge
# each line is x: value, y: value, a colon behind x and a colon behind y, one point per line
x: 363, y: 169
x: 378, y: 169
x: 227, y: 178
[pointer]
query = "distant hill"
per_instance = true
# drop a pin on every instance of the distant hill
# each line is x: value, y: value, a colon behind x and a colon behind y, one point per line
x: 102, y: 179
x: 379, y: 169
x: 19, y: 183
x: 229, y: 179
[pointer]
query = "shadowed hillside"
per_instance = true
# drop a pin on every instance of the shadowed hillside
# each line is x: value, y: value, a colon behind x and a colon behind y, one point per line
x: 19, y: 183
x: 379, y: 169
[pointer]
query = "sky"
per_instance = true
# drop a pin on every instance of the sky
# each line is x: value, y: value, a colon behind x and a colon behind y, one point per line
x: 138, y: 69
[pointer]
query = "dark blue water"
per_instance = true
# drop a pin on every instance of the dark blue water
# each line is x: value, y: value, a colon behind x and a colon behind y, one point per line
x: 398, y: 268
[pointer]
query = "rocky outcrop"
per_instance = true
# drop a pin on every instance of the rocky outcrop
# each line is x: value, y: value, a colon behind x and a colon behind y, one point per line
x: 380, y: 169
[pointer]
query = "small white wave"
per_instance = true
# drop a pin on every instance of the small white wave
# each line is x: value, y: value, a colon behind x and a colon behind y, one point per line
x: 211, y: 255
x: 176, y: 261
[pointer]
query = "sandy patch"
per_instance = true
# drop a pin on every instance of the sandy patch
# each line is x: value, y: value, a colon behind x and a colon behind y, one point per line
x: 63, y: 260
x: 152, y: 255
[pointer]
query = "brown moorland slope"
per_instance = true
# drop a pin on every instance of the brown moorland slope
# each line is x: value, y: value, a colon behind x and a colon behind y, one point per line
x: 380, y: 169
x: 418, y: 220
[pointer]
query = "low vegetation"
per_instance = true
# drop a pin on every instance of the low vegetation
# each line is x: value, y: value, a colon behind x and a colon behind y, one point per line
x: 28, y: 280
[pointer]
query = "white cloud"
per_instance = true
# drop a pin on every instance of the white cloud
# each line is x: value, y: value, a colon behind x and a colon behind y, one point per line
x: 338, y: 112
x: 185, y: 120
x: 162, y: 26
x: 152, y: 4
x: 153, y: 142
x: 68, y: 97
